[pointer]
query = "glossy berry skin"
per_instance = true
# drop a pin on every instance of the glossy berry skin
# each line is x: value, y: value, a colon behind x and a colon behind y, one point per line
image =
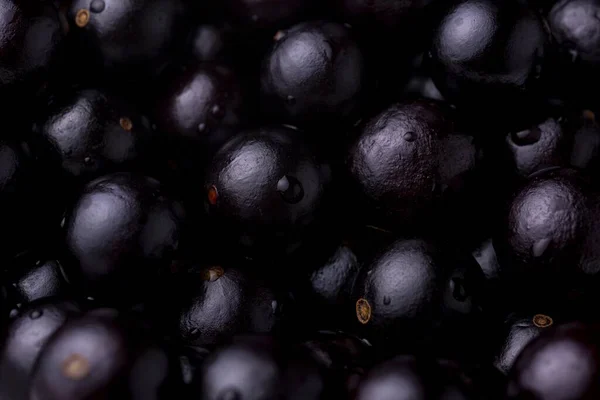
x: 518, y: 331
x: 202, y: 105
x: 575, y: 28
x: 25, y: 338
x: 324, y: 287
x: 90, y: 133
x: 214, y: 304
x: 121, y: 234
x: 314, y: 72
x: 34, y: 278
x: 265, y: 185
x: 488, y: 52
x: 541, y: 146
x: 256, y: 368
x: 267, y: 14
x: 561, y: 363
x: 31, y: 35
x: 408, y: 377
x: 541, y: 247
x: 405, y: 157
x: 410, y: 290
x: 109, y: 27
x: 102, y: 354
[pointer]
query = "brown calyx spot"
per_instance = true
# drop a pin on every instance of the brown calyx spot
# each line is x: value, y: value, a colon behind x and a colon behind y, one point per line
x: 213, y: 195
x: 76, y: 367
x: 212, y: 274
x: 279, y: 35
x: 542, y: 321
x: 589, y: 115
x: 363, y: 311
x: 126, y: 124
x: 82, y: 17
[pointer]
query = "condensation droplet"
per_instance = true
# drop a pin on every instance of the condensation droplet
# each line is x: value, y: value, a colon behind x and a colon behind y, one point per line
x: 97, y: 6
x: 291, y: 189
x: 279, y: 35
x: 274, y: 306
x: 283, y: 184
x: 35, y: 314
x: 87, y: 160
x: 201, y: 127
x: 217, y: 111
x: 410, y: 136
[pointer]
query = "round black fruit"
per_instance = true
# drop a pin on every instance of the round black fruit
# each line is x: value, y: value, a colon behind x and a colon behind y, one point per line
x: 264, y: 186
x: 488, y: 52
x: 314, y: 72
x: 216, y: 303
x: 411, y: 290
x: 91, y: 133
x: 25, y: 338
x: 103, y: 354
x: 32, y: 35
x: 405, y: 157
x: 518, y: 331
x: 561, y: 363
x: 132, y: 35
x: 576, y: 30
x: 202, y: 105
x: 409, y: 377
x: 543, y: 236
x: 255, y: 368
x: 121, y: 234
x: 33, y: 278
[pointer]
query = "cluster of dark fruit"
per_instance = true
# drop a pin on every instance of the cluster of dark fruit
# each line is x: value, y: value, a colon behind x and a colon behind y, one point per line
x: 299, y: 199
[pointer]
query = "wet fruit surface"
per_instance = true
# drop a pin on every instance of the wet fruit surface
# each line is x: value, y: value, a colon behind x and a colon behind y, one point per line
x: 112, y: 214
x: 299, y: 199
